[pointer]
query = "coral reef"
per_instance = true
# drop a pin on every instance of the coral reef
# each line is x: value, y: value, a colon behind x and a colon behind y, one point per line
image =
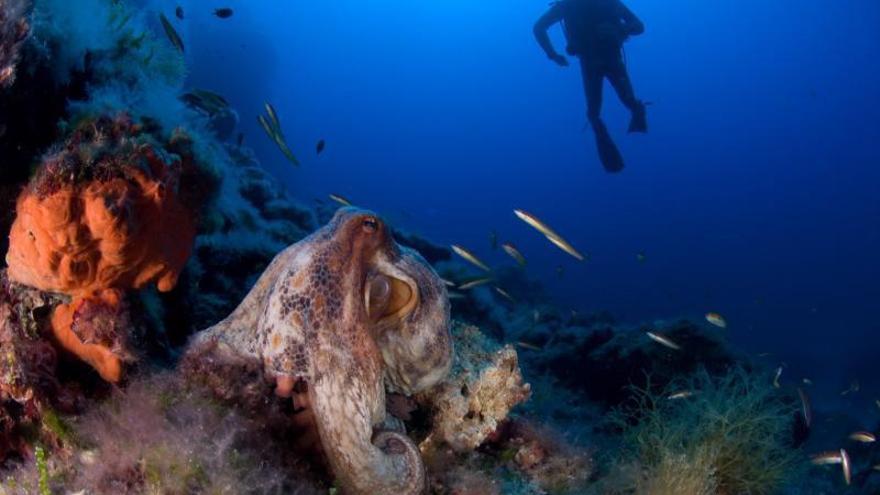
x: 339, y: 350
x: 14, y: 29
x: 343, y: 314
x: 484, y: 385
x: 101, y: 216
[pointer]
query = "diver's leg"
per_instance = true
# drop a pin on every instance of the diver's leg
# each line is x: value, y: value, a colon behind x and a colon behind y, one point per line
x: 618, y: 76
x: 593, y: 80
x: 609, y: 155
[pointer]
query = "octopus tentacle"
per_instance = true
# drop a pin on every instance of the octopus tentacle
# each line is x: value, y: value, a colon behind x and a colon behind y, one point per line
x: 387, y: 462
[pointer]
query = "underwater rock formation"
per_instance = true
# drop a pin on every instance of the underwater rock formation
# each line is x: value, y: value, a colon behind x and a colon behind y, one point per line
x: 14, y: 29
x: 474, y: 445
x: 584, y: 347
x: 28, y: 383
x: 484, y: 385
x: 332, y: 322
x: 102, y: 216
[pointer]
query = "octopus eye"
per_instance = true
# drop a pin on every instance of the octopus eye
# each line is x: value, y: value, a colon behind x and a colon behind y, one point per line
x: 370, y: 225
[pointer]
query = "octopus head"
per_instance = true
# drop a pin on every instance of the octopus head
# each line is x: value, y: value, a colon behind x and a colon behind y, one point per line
x: 405, y: 304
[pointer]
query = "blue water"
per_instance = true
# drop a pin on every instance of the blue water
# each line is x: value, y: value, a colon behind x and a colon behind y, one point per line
x: 756, y: 193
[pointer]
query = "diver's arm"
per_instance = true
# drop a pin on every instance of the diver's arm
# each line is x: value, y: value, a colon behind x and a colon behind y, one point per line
x: 543, y: 24
x: 631, y: 24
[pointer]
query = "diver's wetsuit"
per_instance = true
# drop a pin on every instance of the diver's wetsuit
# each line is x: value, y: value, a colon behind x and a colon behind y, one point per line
x: 596, y: 30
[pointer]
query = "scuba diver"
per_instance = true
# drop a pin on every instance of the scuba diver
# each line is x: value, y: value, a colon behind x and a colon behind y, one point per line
x: 595, y: 31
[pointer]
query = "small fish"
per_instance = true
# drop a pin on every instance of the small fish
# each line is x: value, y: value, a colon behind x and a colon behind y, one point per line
x: 663, y: 340
x: 763, y: 354
x: 504, y: 294
x: 565, y: 246
x: 853, y: 387
x: 448, y: 283
x: 209, y: 102
x: 536, y: 316
x: 493, y: 240
x: 825, y: 458
x: 806, y: 408
x: 535, y: 223
x: 776, y: 377
x: 716, y: 319
x: 319, y: 148
x: 642, y: 257
x: 340, y: 199
x: 223, y: 13
x: 474, y: 283
x: 876, y: 467
x: 274, y: 123
x: 846, y: 466
x: 877, y: 402
x: 526, y: 345
x: 684, y: 394
x: 863, y: 437
x: 171, y: 33
x: 179, y: 12
x: 272, y: 126
x: 551, y: 235
x: 455, y: 295
x: 469, y: 257
x: 266, y: 126
x: 285, y: 150
x: 808, y: 382
x: 514, y: 253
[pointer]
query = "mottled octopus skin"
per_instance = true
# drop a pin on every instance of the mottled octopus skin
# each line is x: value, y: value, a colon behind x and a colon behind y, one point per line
x: 307, y: 318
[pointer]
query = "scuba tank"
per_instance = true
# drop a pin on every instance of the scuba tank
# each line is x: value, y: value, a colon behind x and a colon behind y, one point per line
x: 582, y: 24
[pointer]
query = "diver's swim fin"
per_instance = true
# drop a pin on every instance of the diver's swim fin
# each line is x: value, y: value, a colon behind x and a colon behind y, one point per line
x: 609, y: 155
x: 639, y: 120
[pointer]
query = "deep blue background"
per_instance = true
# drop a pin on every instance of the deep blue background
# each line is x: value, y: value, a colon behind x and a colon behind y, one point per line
x: 756, y: 193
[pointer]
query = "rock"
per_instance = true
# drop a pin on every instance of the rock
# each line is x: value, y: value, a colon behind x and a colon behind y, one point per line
x: 484, y: 385
x: 624, y: 357
x: 14, y: 30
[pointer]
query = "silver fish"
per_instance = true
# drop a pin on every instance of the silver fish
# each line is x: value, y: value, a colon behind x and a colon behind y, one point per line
x: 469, y: 257
x: 663, y: 340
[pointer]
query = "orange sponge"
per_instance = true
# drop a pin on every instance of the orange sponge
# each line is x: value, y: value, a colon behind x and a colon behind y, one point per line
x: 100, y: 217
x: 116, y: 234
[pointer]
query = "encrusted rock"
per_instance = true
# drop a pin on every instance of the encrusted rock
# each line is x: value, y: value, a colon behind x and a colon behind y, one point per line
x: 484, y: 385
x: 14, y: 29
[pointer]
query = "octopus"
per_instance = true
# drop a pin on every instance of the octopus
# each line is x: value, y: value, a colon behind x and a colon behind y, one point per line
x: 352, y: 315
